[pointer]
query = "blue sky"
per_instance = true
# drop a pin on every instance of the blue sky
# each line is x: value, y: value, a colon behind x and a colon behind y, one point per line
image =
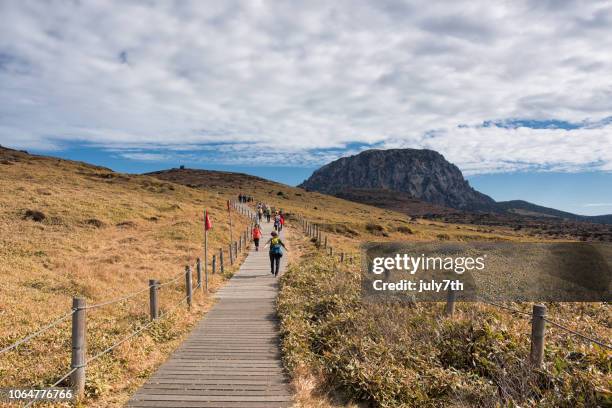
x: 280, y: 88
x: 586, y: 193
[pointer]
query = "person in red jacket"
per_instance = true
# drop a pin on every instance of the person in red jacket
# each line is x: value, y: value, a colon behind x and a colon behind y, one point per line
x: 282, y: 221
x: 256, y: 236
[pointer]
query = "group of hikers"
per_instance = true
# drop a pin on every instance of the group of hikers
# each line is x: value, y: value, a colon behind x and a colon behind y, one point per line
x: 243, y: 198
x: 275, y: 243
x: 265, y: 211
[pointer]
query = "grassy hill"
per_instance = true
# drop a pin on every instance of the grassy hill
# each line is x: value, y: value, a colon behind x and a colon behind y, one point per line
x: 349, y: 221
x: 72, y: 229
x: 69, y: 228
x: 342, y: 351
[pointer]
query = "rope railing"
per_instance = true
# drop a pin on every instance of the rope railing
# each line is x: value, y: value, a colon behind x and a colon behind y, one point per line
x: 601, y: 343
x: 135, y: 332
x: 68, y: 374
x: 583, y: 336
x: 537, y: 317
x: 171, y: 281
x: 36, y: 333
x: 117, y: 300
x: 79, y: 360
x: 510, y: 309
x: 115, y: 345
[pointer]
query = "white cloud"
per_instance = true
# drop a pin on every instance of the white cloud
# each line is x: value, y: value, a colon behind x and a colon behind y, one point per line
x: 145, y: 156
x: 281, y: 80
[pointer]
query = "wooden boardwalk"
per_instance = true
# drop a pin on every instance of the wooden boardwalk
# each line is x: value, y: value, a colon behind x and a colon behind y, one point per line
x: 232, y: 357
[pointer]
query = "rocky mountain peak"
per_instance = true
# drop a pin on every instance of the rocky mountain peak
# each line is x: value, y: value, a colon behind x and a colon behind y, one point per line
x: 423, y: 174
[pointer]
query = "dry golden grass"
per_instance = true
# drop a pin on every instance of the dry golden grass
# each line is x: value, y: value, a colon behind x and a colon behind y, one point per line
x: 413, y: 356
x: 104, y: 235
x: 348, y: 224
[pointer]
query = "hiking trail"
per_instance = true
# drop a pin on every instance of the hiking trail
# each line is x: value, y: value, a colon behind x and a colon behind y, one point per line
x: 232, y: 356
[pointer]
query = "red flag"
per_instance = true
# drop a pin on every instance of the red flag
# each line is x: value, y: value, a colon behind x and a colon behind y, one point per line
x: 207, y: 222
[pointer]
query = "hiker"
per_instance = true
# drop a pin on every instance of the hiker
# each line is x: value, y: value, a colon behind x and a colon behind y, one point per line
x: 281, y: 221
x: 260, y: 214
x: 256, y: 236
x: 268, y: 213
x: 276, y: 252
x: 277, y: 222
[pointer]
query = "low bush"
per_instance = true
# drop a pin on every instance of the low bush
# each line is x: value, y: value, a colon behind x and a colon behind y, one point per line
x: 34, y: 215
x: 391, y: 355
x: 404, y: 230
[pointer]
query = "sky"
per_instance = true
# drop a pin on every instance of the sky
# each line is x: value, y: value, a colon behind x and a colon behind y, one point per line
x: 518, y: 94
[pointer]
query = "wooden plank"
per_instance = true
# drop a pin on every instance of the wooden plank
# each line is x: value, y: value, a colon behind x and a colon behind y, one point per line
x: 232, y: 358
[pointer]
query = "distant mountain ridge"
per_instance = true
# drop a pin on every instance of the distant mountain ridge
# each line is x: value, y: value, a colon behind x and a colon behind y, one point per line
x: 522, y: 207
x: 418, y: 175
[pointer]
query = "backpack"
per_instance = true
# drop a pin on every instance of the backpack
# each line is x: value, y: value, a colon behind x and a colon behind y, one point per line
x: 276, y: 247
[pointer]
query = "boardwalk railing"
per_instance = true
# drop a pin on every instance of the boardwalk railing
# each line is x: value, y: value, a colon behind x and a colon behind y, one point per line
x: 538, y: 314
x: 78, y: 313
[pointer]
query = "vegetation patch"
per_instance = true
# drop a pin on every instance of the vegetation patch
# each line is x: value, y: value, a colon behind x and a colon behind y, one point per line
x: 405, y: 230
x: 338, y: 228
x: 34, y: 215
x: 389, y: 355
x: 126, y: 224
x: 94, y: 222
x: 376, y: 229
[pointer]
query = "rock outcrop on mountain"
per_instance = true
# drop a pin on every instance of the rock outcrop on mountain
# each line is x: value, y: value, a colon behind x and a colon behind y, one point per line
x: 423, y: 174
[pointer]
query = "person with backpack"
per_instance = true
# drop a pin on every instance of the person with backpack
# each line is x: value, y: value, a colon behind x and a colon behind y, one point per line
x: 277, y: 225
x: 276, y: 252
x: 260, y: 214
x: 256, y: 236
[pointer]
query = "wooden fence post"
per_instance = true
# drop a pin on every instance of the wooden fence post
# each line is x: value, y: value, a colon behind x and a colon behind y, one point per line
x: 188, y: 287
x: 235, y: 250
x: 221, y: 266
x: 79, y: 348
x: 199, y: 273
x: 153, y: 303
x: 214, y: 264
x: 325, y: 243
x: 341, y: 257
x: 450, y: 302
x: 538, y: 327
x: 331, y: 251
x: 206, y: 279
x: 231, y: 254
